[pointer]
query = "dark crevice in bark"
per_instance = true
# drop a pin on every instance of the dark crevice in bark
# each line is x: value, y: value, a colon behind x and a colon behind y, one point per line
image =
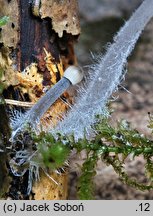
x: 35, y: 34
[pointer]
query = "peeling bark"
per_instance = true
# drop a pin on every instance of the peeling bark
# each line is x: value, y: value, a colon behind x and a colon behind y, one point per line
x: 64, y: 15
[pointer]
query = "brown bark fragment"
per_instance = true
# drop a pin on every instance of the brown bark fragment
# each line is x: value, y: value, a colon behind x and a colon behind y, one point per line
x: 4, y: 141
x: 46, y: 189
x: 10, y: 32
x: 64, y: 15
x: 6, y: 63
x: 5, y: 179
x: 35, y: 35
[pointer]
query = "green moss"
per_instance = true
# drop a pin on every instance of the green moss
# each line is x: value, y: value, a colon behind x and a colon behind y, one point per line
x: 120, y: 140
x: 53, y: 152
x: 85, y: 183
x: 4, y: 20
x: 55, y: 156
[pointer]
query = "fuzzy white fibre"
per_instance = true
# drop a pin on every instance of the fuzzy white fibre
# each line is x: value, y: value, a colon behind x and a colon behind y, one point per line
x: 105, y: 76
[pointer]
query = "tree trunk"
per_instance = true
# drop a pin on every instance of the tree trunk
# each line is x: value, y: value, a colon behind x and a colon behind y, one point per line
x: 36, y: 46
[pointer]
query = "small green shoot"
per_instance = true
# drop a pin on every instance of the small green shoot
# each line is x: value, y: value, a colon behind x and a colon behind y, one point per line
x: 4, y: 20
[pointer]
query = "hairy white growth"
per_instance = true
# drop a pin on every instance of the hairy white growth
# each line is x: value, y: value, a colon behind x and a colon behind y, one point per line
x: 72, y: 76
x: 105, y: 76
x: 15, y: 118
x: 102, y: 80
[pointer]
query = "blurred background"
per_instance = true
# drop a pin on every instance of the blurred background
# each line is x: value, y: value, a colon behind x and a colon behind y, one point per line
x: 100, y: 21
